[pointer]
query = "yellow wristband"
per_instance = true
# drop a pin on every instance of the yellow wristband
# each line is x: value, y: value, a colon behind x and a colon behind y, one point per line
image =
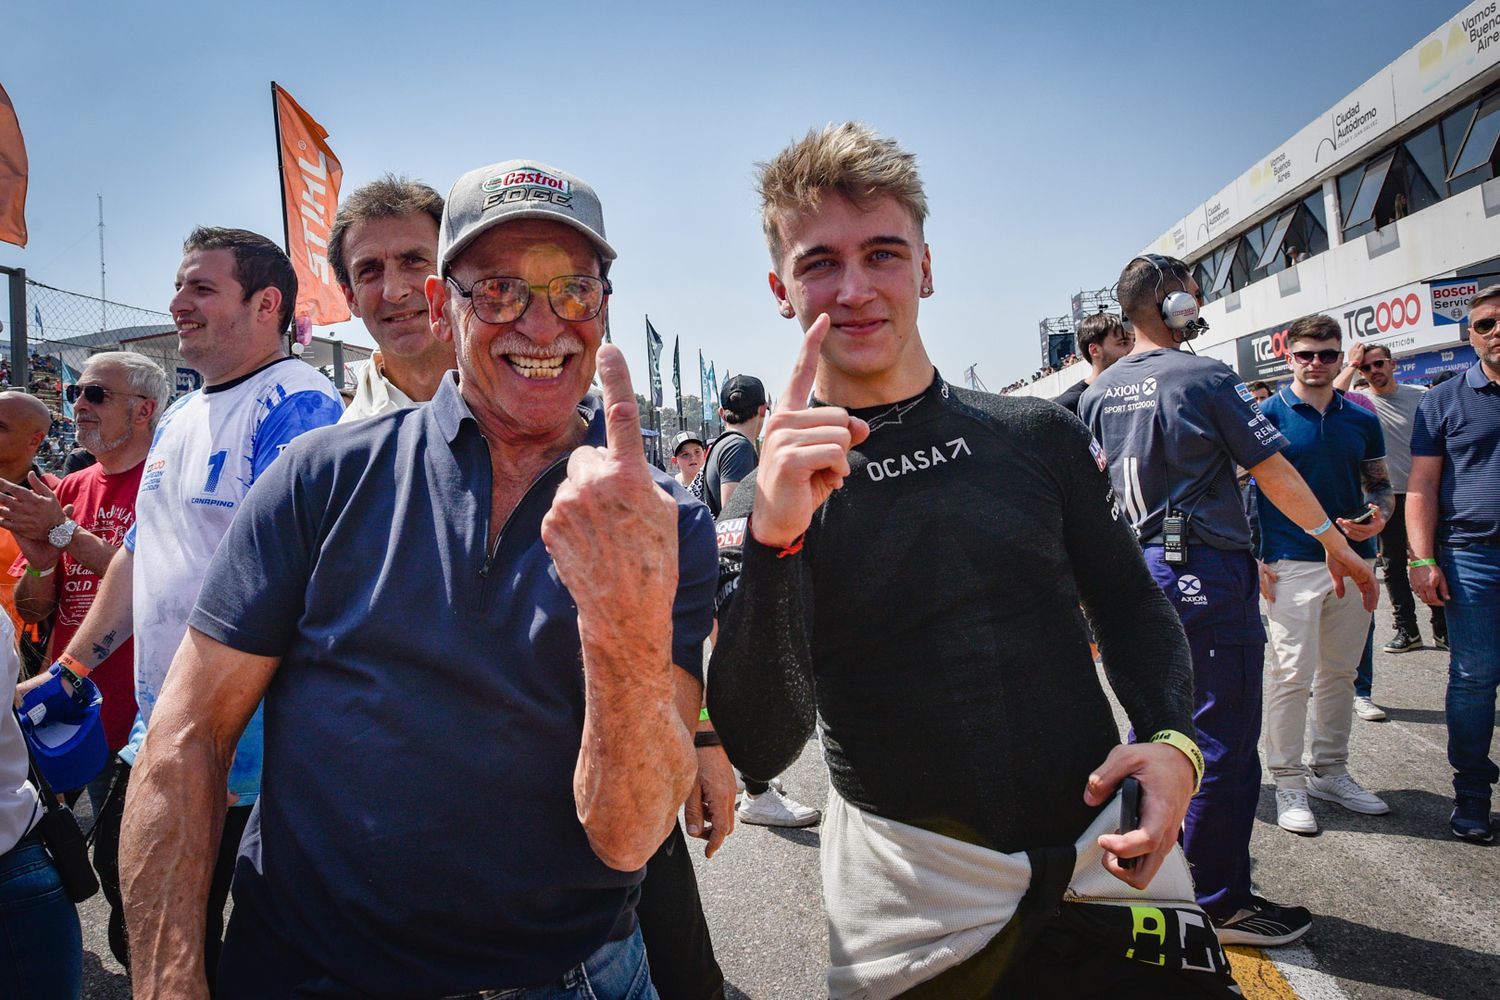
x: 1173, y: 738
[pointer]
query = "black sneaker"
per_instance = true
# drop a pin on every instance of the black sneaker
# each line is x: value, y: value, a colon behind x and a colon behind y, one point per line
x: 1403, y: 642
x: 1264, y: 924
x: 1471, y: 821
x: 1440, y: 642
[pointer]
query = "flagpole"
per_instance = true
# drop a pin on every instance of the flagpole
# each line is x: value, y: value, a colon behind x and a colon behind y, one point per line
x: 286, y: 222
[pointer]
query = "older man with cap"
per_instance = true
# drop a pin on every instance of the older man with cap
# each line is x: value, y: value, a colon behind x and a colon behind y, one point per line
x: 555, y: 682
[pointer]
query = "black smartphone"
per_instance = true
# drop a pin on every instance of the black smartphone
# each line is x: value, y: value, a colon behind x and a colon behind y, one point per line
x: 1363, y: 517
x: 1130, y: 813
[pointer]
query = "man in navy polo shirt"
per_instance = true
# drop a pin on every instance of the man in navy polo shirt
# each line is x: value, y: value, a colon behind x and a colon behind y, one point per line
x: 1453, y: 523
x: 464, y: 620
x: 1317, y: 636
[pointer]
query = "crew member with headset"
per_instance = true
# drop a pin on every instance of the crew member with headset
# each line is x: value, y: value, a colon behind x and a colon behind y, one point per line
x: 1175, y: 481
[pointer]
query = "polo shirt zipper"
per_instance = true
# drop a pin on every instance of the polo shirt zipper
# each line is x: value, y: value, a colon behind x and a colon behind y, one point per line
x: 489, y: 559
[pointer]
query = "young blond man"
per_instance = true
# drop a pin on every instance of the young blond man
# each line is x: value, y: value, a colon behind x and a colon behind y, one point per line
x: 912, y: 561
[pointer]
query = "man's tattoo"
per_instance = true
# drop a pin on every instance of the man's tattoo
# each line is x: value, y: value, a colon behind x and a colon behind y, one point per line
x: 104, y: 646
x: 1376, y: 479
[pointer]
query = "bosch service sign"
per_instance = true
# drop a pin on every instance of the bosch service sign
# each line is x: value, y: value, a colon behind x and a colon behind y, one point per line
x: 1450, y: 300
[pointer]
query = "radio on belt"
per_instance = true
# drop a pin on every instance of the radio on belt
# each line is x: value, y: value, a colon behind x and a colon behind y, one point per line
x: 1174, y: 538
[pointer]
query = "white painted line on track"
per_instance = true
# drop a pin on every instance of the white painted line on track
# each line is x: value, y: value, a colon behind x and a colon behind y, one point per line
x: 1297, y: 964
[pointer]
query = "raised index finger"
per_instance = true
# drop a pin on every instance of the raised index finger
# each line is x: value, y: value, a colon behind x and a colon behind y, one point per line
x: 806, y: 368
x: 622, y: 417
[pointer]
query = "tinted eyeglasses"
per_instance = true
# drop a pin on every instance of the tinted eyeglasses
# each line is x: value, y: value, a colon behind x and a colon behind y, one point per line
x: 1307, y: 357
x: 1485, y: 326
x: 573, y: 297
x: 1377, y: 363
x: 95, y: 394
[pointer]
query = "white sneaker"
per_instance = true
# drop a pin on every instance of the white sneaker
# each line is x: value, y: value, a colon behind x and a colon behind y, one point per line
x: 774, y: 809
x: 1368, y: 710
x: 1292, y: 811
x: 1343, y: 789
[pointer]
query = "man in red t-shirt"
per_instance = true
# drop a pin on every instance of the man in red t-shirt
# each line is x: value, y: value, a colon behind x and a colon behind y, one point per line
x: 67, y: 539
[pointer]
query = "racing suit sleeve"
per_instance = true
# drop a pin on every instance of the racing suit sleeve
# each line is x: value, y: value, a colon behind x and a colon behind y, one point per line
x: 1140, y: 637
x: 760, y: 691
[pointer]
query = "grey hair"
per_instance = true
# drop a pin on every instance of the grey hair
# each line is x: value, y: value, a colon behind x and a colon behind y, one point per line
x: 142, y: 375
x: 1484, y: 295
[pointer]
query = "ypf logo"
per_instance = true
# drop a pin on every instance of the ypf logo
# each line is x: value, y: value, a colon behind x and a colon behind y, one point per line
x: 1384, y: 317
x: 1190, y: 589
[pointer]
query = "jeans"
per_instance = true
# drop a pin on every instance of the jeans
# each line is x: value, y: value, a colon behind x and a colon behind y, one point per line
x: 41, y: 943
x: 1364, y: 677
x: 1473, y: 576
x: 258, y: 965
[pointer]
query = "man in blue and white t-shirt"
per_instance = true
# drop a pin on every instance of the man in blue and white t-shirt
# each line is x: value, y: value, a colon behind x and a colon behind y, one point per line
x: 235, y: 294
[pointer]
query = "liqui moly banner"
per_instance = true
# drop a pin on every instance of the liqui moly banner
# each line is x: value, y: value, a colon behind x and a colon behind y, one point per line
x: 310, y: 176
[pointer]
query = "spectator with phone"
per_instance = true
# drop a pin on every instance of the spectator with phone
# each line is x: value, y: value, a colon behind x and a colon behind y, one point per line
x: 1317, y: 635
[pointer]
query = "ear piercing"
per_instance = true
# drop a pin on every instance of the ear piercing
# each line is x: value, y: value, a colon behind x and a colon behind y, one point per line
x: 926, y: 289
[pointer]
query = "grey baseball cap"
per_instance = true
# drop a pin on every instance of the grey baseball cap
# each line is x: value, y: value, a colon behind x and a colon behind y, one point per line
x: 517, y: 189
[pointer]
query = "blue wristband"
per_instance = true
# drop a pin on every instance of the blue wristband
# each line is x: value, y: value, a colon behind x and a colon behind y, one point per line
x: 1315, y: 532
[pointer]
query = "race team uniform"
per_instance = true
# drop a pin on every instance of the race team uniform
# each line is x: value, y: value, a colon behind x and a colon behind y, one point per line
x: 1174, y: 426
x: 929, y: 624
x: 209, y: 448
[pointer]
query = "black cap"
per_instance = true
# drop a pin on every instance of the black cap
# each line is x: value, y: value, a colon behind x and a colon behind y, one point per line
x: 683, y: 438
x: 742, y: 395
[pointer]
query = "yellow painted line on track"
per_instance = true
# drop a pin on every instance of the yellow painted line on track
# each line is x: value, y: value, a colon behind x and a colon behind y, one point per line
x: 1259, y: 979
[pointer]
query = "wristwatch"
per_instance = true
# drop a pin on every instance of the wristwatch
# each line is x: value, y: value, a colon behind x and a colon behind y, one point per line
x: 62, y: 534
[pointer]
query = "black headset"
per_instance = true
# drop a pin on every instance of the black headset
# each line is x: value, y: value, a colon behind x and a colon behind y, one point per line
x: 1179, y: 310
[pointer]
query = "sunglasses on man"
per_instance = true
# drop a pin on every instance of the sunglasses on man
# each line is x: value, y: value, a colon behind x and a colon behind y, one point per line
x: 95, y: 394
x: 1377, y: 363
x: 1307, y: 357
x: 1485, y: 326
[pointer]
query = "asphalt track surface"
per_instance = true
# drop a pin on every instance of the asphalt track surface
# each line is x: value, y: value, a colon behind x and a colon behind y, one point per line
x: 1402, y: 909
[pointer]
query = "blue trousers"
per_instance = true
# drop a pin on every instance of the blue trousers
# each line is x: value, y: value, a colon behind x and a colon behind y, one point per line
x: 1216, y: 597
x: 1473, y: 576
x: 1364, y: 679
x: 41, y: 943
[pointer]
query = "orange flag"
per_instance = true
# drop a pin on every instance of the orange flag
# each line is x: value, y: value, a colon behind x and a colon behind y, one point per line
x: 13, y: 170
x: 310, y: 176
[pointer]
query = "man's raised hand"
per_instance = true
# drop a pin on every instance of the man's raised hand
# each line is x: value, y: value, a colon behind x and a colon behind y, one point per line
x: 612, y: 531
x: 804, y: 455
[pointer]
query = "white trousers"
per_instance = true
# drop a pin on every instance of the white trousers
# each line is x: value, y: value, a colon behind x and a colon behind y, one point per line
x: 1317, y: 640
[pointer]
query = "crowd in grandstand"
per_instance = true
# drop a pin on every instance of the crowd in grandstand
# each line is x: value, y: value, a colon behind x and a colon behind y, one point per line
x: 209, y: 628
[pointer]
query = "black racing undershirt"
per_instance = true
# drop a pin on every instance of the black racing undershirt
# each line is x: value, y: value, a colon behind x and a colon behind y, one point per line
x: 930, y: 625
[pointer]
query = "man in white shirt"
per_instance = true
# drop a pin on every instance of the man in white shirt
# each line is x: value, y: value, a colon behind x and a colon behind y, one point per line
x: 383, y: 247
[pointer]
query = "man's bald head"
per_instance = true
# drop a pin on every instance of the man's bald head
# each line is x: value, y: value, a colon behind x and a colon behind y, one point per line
x: 24, y: 422
x: 25, y: 409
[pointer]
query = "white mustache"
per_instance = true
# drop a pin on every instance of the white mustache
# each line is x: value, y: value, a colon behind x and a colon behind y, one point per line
x: 514, y: 343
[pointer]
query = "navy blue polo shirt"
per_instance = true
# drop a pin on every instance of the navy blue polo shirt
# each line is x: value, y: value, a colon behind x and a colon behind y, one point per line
x: 1327, y: 450
x: 416, y: 833
x: 1459, y: 422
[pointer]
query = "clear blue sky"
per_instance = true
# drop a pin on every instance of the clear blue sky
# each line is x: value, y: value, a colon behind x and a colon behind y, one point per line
x: 1055, y: 140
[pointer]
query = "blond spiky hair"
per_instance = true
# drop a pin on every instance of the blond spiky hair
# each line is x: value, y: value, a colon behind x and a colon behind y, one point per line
x: 850, y: 159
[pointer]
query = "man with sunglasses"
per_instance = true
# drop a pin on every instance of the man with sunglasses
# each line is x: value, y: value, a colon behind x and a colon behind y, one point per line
x: 1176, y: 482
x: 464, y: 808
x: 1396, y: 406
x: 1454, y: 528
x: 1317, y: 636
